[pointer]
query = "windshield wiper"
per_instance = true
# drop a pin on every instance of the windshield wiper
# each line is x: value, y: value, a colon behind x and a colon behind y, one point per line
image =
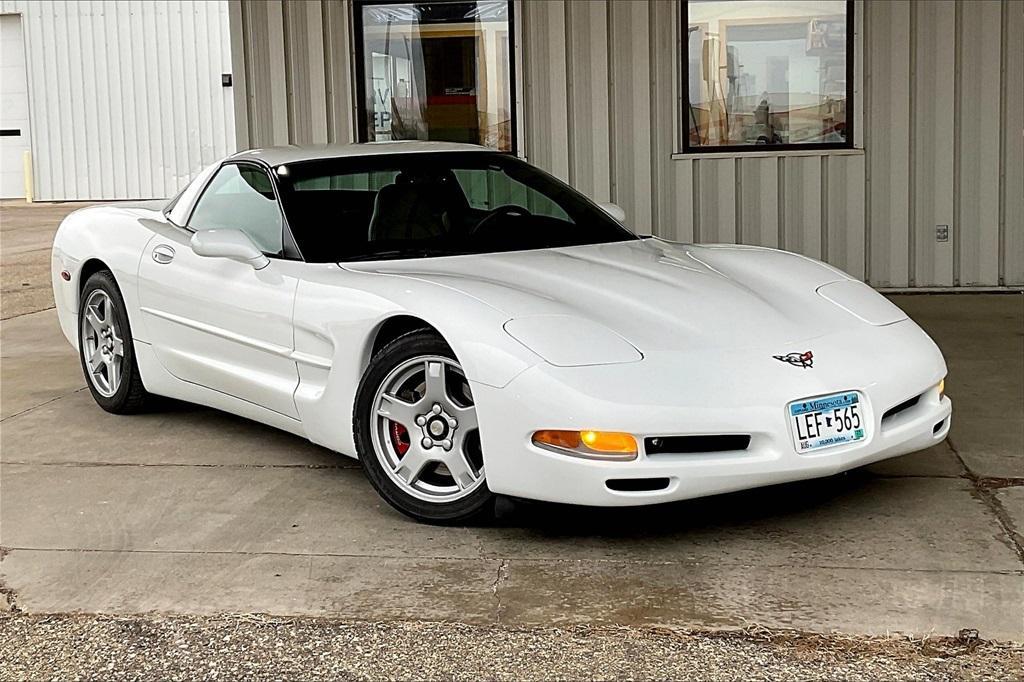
x: 391, y: 254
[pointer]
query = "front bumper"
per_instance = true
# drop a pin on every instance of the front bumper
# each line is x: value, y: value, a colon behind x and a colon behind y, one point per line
x: 734, y: 392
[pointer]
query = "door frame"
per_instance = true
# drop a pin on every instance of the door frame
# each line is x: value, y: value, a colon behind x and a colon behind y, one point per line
x: 28, y: 170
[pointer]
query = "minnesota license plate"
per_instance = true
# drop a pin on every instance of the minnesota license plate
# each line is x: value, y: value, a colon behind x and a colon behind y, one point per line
x: 828, y: 421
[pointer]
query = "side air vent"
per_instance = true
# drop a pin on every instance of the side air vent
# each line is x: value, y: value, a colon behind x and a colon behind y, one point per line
x: 905, y: 405
x: 657, y: 445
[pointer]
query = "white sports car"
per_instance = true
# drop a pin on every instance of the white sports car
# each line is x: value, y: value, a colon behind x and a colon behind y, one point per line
x: 467, y: 325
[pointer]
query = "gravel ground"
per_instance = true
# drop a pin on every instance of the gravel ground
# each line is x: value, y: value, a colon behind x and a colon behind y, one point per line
x: 257, y: 647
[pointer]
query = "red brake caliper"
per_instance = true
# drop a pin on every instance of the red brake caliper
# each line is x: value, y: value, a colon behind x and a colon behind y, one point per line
x: 399, y: 438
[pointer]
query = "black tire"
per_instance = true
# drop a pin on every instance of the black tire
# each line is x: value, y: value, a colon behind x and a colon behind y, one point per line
x: 130, y: 396
x: 478, y: 506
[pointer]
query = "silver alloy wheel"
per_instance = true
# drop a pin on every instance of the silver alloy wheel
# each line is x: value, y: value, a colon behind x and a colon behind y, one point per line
x: 427, y: 399
x: 102, y: 345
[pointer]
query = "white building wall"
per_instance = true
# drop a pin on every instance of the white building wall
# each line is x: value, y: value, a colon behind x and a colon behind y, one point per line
x: 125, y: 98
x: 939, y: 122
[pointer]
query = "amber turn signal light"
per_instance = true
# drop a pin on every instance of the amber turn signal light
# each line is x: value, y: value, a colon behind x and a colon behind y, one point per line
x: 589, y: 444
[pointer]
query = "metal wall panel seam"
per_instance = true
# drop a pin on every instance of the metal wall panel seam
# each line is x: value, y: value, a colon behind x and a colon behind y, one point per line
x: 823, y: 207
x: 202, y: 131
x: 781, y: 201
x: 239, y: 70
x: 737, y: 208
x: 518, y: 63
x: 1003, y: 54
x: 696, y: 168
x: 63, y: 87
x: 657, y: 182
x: 610, y: 41
x: 131, y: 133
x: 859, y: 87
x: 327, y: 40
x: 957, y: 120
x: 911, y: 226
x: 289, y: 66
x: 278, y: 72
x: 570, y: 30
x: 865, y: 132
x: 165, y: 89
x: 201, y: 33
x: 46, y: 185
x: 153, y: 113
x: 317, y: 75
x: 97, y: 149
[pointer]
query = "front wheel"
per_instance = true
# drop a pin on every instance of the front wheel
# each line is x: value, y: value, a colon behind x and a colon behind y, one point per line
x: 417, y: 434
x: 105, y: 348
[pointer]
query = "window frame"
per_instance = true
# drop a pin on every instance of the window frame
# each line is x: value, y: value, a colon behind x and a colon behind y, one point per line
x: 360, y: 67
x: 289, y: 248
x: 682, y: 119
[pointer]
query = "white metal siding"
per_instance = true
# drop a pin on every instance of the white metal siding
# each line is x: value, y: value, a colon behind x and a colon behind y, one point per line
x: 939, y: 114
x: 125, y: 98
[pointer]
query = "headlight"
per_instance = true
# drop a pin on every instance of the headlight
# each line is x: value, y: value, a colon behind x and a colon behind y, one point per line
x: 942, y: 388
x: 569, y: 341
x: 610, y: 445
x: 862, y: 302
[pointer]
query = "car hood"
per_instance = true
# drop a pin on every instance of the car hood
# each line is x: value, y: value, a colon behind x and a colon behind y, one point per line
x: 657, y: 295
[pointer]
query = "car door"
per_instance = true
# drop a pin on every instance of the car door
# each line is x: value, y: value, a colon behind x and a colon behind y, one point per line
x: 217, y: 322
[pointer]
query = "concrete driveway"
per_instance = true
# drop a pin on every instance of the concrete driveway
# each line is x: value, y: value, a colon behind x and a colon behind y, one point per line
x: 193, y: 511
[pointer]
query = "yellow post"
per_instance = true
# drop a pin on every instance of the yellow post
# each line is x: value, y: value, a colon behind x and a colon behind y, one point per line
x: 26, y: 161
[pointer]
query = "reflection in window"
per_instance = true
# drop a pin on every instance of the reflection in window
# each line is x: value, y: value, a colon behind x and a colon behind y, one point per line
x: 437, y: 71
x: 767, y: 73
x: 241, y: 198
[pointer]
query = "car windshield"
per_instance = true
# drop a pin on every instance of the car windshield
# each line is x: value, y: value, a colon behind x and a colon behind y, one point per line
x: 434, y: 204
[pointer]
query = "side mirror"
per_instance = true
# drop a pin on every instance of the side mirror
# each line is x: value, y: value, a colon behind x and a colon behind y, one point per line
x: 614, y: 210
x: 233, y: 244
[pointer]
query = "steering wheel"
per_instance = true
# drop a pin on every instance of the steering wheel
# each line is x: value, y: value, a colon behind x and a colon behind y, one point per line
x: 499, y: 212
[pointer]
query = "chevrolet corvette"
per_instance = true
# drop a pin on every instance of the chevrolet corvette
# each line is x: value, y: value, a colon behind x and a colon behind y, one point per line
x: 468, y: 326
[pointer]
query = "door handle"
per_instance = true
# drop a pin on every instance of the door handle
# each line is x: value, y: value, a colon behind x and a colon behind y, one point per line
x: 163, y: 254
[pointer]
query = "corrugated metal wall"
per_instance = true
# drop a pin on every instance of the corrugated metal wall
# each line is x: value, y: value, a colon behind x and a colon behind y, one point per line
x: 125, y: 98
x: 940, y: 109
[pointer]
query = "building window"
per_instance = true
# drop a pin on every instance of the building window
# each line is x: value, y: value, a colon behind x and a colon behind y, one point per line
x: 763, y: 74
x: 436, y: 71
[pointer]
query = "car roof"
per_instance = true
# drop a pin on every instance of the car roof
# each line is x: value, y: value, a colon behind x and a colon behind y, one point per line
x: 275, y: 156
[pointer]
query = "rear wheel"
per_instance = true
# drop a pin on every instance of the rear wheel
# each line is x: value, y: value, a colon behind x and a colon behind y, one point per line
x: 105, y: 347
x: 417, y: 433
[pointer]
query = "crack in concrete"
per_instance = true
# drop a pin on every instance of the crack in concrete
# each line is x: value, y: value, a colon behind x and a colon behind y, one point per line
x: 982, y: 490
x: 31, y: 312
x: 997, y: 482
x: 43, y: 404
x: 499, y: 579
x: 542, y: 559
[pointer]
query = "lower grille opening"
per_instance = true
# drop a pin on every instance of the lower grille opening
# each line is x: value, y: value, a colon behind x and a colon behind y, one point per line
x: 938, y: 427
x: 637, y: 485
x: 905, y: 405
x: 690, y: 444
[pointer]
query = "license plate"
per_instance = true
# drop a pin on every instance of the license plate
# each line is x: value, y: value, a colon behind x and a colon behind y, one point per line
x: 827, y: 421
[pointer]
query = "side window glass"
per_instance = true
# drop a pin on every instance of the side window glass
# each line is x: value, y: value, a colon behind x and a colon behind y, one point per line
x: 241, y: 198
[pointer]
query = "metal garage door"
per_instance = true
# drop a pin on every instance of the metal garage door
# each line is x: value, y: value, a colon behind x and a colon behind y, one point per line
x: 13, y: 107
